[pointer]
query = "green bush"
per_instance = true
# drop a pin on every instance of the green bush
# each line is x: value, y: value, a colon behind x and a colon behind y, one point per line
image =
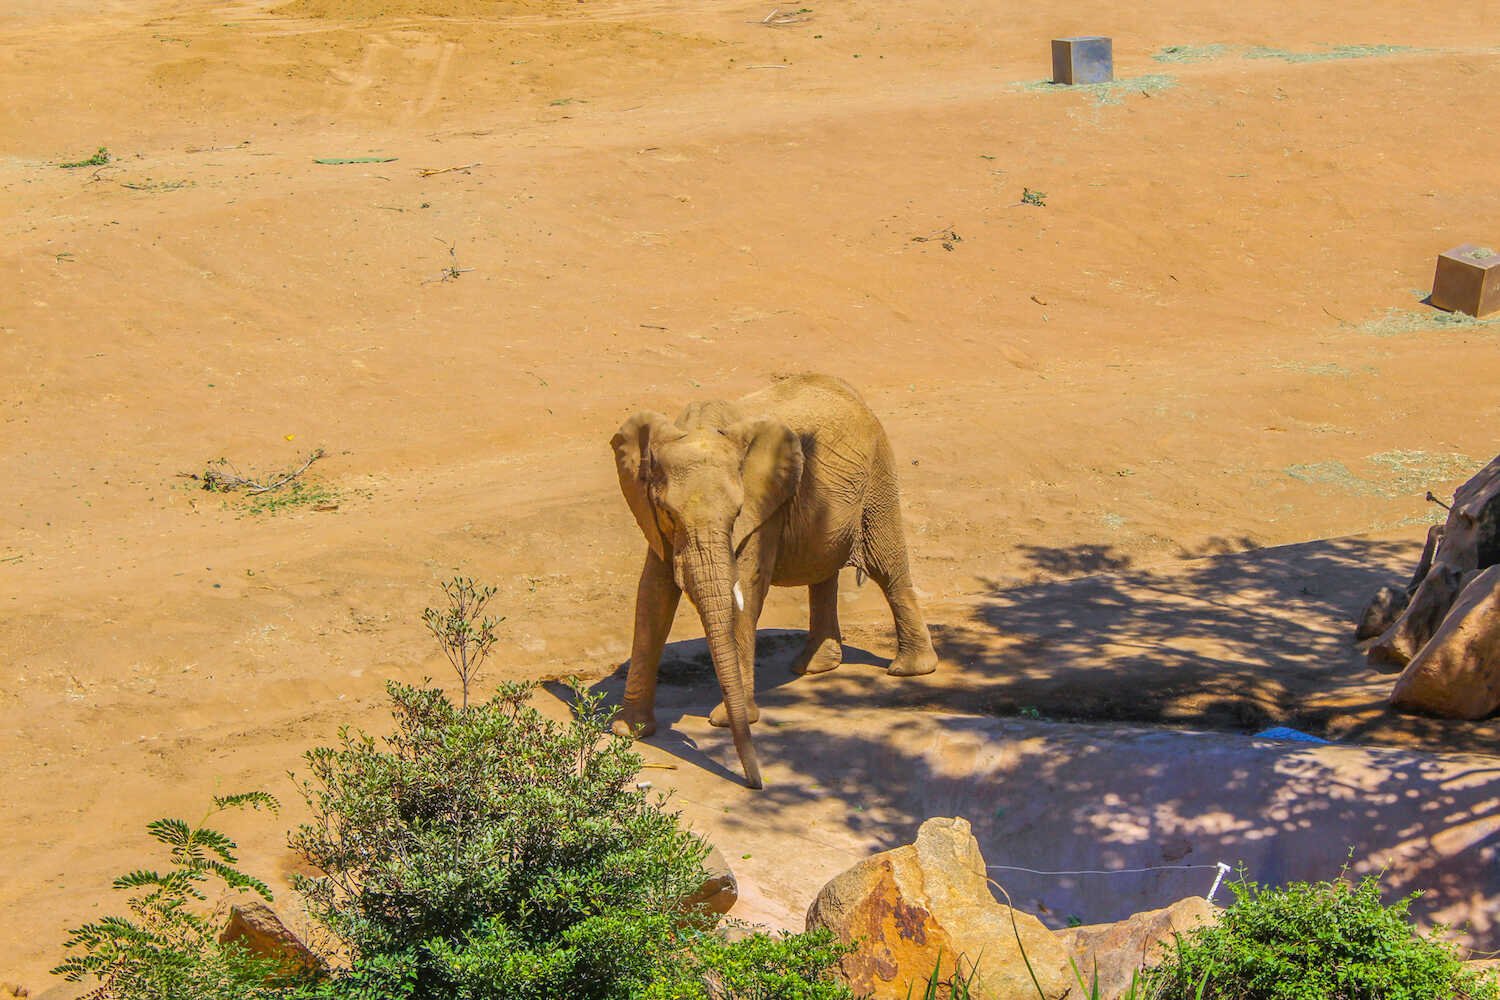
x: 1315, y: 941
x: 488, y: 838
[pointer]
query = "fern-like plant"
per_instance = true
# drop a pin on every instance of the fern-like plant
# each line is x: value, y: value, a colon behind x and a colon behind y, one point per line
x: 168, y: 946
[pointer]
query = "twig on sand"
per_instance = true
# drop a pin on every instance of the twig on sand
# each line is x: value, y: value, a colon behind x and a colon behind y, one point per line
x: 452, y: 272
x: 216, y: 149
x: 449, y: 274
x: 434, y: 171
x: 222, y: 476
x: 776, y: 17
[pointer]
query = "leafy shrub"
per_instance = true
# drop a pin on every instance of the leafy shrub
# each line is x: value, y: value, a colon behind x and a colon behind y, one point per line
x: 758, y: 967
x: 1315, y: 941
x: 490, y: 851
x: 168, y: 948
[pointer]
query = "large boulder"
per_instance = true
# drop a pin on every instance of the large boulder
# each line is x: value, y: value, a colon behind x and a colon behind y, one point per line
x: 928, y: 903
x: 1469, y: 541
x: 1419, y: 621
x: 1457, y: 673
x: 720, y: 890
x: 256, y: 927
x: 1117, y: 952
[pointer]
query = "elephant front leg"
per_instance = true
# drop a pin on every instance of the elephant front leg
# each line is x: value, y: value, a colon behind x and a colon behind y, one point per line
x: 656, y: 599
x: 825, y: 643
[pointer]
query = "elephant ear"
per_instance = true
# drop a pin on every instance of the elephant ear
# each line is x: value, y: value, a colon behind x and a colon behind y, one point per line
x: 770, y: 471
x: 634, y: 463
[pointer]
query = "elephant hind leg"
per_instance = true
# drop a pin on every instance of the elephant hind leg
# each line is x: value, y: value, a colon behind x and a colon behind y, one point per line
x: 882, y: 556
x: 825, y: 643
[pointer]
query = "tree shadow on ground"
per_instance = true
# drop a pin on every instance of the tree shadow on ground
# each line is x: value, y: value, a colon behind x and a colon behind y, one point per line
x: 856, y: 760
x: 1240, y: 641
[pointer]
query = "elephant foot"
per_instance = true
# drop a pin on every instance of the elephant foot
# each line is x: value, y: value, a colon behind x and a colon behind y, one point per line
x: 819, y: 657
x: 636, y: 725
x: 720, y: 717
x: 913, y: 664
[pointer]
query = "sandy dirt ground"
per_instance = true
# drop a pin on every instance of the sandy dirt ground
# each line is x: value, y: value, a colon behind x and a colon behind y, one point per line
x: 1207, y: 341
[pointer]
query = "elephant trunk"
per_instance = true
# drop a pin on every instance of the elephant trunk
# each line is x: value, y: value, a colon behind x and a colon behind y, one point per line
x: 708, y: 578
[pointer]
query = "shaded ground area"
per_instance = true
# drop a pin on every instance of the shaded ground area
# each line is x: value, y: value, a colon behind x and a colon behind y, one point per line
x: 855, y: 760
x: 1239, y: 641
x: 1067, y: 798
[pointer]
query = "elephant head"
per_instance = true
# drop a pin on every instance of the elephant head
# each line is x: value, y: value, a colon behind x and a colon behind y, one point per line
x: 699, y: 492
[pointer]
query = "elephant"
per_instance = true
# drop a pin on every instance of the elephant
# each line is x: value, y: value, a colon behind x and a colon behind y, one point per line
x: 783, y: 487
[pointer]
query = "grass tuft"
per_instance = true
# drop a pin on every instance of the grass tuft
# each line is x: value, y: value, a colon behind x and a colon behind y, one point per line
x: 1396, y: 322
x: 1326, y: 55
x: 99, y: 159
x: 1394, y: 473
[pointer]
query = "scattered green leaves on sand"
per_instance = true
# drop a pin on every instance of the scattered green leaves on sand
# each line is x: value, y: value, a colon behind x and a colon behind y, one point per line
x: 1411, y: 471
x: 298, y: 494
x: 1113, y: 92
x: 343, y: 160
x: 1392, y: 473
x: 99, y: 159
x: 1030, y: 197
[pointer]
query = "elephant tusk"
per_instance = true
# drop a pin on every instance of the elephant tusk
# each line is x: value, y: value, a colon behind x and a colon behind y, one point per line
x: 739, y: 596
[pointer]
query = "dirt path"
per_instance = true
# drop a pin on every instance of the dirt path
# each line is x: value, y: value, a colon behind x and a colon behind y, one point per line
x: 1208, y: 339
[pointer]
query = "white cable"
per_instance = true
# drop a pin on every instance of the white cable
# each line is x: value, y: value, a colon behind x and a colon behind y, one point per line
x: 1114, y: 871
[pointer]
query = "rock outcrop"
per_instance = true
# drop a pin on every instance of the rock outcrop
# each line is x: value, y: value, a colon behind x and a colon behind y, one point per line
x: 1457, y: 672
x: 1117, y: 952
x: 720, y: 891
x: 929, y: 902
x: 1468, y: 541
x: 256, y: 926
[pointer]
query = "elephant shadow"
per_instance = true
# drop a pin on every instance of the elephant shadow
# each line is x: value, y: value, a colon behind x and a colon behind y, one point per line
x: 687, y: 686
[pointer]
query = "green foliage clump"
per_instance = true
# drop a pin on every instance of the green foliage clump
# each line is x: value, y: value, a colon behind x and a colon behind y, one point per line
x: 100, y: 158
x: 168, y: 948
x: 1315, y: 941
x: 489, y: 838
x: 757, y: 967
